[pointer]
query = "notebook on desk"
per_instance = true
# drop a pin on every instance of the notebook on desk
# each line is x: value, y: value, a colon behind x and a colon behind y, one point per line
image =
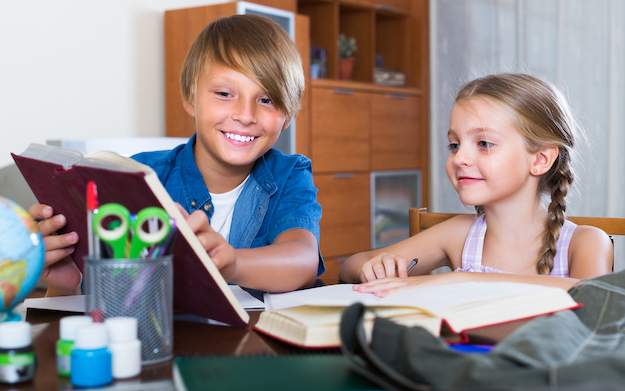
x: 302, y: 372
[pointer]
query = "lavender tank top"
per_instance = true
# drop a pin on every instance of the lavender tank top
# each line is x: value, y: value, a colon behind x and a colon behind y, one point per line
x: 473, y: 246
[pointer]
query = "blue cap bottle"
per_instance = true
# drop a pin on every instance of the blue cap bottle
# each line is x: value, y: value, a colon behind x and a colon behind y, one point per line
x: 91, y: 360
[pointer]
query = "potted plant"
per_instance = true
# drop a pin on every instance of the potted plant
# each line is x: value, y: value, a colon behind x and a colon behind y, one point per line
x: 347, y: 48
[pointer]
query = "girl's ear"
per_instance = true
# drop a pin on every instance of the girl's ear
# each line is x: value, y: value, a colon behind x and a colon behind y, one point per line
x: 544, y: 159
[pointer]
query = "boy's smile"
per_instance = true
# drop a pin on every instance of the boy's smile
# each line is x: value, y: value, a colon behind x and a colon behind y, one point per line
x: 236, y: 121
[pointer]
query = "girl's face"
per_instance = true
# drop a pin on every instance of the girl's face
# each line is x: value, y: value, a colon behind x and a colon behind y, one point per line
x: 488, y: 160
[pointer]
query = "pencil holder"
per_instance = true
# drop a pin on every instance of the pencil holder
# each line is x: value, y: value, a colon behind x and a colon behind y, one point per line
x: 139, y: 288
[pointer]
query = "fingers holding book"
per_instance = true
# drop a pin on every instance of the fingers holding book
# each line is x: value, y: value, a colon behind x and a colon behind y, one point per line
x: 60, y: 273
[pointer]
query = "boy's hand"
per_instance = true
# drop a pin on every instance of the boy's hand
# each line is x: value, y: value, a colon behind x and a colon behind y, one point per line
x: 222, y: 254
x: 382, y: 266
x: 60, y: 272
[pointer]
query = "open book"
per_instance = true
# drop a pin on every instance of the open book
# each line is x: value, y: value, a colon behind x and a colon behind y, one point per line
x: 310, y: 318
x: 58, y: 177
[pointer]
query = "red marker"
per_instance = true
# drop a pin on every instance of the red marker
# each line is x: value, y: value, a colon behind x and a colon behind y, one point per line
x: 92, y: 208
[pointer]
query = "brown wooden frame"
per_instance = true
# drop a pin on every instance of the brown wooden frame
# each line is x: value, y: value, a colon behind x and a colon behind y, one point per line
x: 420, y: 219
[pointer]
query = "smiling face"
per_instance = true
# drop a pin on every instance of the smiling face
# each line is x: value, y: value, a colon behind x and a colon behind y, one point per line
x: 488, y: 161
x: 236, y: 121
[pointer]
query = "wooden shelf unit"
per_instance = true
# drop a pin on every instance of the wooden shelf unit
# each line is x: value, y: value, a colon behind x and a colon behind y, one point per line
x: 358, y: 127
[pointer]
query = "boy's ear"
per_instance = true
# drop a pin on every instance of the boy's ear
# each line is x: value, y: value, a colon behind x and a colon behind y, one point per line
x: 287, y: 122
x: 544, y: 159
x: 188, y: 107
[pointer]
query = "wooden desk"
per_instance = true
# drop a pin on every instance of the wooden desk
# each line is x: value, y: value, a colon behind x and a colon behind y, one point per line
x: 191, y: 338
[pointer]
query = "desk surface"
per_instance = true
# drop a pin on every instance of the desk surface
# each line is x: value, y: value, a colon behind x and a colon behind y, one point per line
x: 191, y: 338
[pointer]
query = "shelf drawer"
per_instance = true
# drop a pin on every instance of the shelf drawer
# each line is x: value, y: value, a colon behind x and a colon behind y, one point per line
x: 345, y: 225
x: 340, y: 130
x: 395, y: 132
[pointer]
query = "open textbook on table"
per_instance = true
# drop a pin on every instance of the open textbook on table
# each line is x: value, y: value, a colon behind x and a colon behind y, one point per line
x: 311, y: 317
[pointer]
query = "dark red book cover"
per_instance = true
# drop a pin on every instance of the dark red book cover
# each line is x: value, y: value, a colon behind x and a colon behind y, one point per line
x: 196, y: 290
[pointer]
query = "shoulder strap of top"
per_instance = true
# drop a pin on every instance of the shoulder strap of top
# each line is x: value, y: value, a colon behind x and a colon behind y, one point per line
x: 473, y: 246
x: 561, y: 260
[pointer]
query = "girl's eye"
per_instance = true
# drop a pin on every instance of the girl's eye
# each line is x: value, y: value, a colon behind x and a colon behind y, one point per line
x: 485, y: 144
x: 224, y: 94
x: 265, y: 101
x: 453, y: 147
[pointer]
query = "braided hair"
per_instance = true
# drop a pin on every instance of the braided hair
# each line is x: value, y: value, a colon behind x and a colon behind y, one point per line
x: 541, y: 114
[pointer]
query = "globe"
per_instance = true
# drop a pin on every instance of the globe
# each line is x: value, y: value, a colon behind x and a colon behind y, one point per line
x: 21, y: 257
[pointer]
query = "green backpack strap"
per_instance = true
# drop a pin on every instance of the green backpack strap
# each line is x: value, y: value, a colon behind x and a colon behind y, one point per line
x: 362, y: 359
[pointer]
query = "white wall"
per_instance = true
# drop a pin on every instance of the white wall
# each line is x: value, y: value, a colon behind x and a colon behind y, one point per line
x: 81, y: 68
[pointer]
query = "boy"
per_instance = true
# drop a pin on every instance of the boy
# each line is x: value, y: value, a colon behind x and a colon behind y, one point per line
x: 242, y: 81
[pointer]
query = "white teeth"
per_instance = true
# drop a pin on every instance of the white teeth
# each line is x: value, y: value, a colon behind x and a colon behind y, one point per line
x: 238, y: 137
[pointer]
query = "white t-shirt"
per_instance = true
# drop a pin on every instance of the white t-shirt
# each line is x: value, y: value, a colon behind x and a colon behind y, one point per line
x: 223, y: 205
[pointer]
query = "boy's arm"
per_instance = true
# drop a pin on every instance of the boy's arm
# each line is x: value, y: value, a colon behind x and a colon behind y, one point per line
x: 289, y: 263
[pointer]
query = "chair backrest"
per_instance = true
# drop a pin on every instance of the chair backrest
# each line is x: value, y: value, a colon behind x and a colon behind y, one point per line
x: 420, y: 219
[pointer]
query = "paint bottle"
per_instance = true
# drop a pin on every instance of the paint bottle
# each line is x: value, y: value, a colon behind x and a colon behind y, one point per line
x: 64, y: 345
x: 17, y: 357
x: 91, y: 357
x: 125, y: 346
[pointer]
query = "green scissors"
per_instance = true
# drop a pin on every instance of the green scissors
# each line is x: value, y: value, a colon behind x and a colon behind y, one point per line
x: 126, y: 234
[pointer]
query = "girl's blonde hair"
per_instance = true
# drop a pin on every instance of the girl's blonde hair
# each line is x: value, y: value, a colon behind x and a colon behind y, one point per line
x: 541, y: 114
x: 255, y: 46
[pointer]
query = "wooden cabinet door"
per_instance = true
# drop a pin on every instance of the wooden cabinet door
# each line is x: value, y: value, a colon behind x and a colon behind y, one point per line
x: 340, y: 130
x: 345, y: 223
x: 395, y: 141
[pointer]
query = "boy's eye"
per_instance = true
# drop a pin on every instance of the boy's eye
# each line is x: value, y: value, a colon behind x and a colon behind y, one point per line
x: 453, y: 147
x: 265, y: 101
x: 485, y: 144
x: 224, y: 94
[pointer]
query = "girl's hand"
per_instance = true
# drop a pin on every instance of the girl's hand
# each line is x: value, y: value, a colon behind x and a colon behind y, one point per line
x: 385, y: 286
x: 221, y: 253
x: 383, y: 265
x: 60, y: 273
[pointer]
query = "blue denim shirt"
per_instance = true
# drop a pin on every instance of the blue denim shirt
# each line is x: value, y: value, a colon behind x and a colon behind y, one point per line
x: 279, y: 195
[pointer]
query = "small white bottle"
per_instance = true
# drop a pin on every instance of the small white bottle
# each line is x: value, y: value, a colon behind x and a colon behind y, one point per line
x: 125, y: 346
x: 65, y: 344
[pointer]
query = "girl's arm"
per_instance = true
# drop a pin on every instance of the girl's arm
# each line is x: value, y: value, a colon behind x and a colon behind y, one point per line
x: 591, y: 252
x: 440, y: 245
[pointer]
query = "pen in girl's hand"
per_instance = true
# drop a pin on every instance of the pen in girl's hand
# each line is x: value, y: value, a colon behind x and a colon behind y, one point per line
x: 411, y: 265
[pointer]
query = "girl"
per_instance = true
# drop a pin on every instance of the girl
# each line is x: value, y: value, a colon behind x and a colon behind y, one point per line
x: 511, y: 138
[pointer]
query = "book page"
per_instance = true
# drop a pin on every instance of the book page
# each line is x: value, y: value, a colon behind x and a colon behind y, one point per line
x: 332, y: 295
x: 114, y: 161
x: 436, y: 300
x: 52, y: 154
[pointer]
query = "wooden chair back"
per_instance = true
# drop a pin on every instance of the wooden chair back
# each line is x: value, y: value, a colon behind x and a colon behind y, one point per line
x: 420, y: 219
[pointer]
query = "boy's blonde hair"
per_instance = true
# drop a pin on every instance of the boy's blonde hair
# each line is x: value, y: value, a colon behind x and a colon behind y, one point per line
x: 255, y: 46
x: 541, y: 114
